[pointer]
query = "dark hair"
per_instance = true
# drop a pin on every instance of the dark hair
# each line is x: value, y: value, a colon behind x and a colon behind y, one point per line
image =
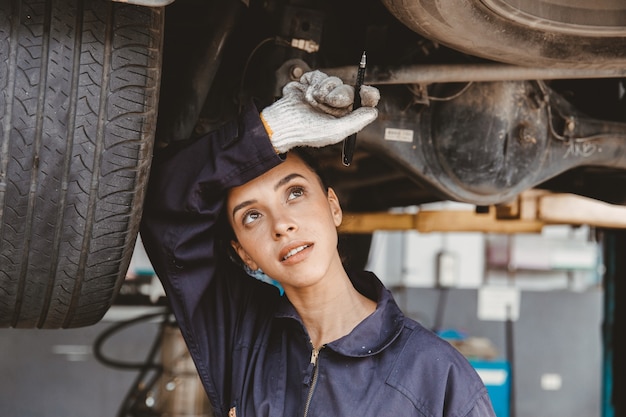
x: 308, y: 157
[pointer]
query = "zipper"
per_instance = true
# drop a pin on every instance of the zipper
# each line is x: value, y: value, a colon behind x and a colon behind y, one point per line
x: 314, y: 357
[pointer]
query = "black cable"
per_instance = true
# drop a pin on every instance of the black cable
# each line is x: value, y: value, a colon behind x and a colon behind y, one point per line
x: 138, y: 389
x: 104, y: 336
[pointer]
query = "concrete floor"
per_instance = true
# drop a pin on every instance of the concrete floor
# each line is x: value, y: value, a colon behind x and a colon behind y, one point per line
x: 53, y: 373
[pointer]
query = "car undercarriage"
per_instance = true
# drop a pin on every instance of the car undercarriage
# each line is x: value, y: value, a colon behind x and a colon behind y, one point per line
x: 479, y: 131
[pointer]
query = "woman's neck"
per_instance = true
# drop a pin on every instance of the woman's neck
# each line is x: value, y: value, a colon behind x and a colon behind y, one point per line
x: 331, y: 309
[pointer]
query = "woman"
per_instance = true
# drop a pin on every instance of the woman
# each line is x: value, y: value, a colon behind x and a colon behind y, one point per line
x: 333, y: 344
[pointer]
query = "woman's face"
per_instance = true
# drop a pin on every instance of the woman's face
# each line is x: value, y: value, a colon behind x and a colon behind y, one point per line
x: 286, y: 223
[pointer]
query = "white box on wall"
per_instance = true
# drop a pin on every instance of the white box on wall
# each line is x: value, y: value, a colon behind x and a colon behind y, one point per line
x: 411, y: 258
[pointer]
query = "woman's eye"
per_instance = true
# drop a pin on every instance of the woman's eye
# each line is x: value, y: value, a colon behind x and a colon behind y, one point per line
x: 295, y: 192
x: 250, y: 216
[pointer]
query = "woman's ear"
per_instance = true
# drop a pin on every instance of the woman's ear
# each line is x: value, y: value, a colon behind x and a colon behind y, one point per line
x: 335, y: 207
x: 244, y: 255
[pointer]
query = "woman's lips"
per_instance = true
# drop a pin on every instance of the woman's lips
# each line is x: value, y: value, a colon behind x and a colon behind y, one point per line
x: 295, y: 253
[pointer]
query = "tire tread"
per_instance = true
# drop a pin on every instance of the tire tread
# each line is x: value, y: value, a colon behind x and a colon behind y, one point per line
x: 73, y: 185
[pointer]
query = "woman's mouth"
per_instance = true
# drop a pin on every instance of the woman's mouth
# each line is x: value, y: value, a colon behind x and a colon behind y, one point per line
x: 294, y: 251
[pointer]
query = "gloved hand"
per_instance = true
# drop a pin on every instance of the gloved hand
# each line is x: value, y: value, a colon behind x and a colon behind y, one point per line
x: 316, y: 112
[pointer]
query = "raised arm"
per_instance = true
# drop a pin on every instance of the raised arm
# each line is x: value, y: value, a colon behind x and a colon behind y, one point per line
x: 216, y: 304
x: 179, y: 224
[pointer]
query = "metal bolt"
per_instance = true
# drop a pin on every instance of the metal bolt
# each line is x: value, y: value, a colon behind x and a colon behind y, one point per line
x: 296, y: 72
x: 525, y: 134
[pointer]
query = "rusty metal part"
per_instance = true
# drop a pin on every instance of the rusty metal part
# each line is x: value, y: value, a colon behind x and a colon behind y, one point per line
x: 149, y: 3
x: 451, y: 73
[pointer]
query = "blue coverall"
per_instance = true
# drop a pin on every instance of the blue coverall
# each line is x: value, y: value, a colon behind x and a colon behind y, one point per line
x: 249, y: 345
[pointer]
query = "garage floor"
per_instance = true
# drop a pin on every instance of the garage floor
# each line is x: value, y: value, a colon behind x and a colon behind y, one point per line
x: 53, y: 373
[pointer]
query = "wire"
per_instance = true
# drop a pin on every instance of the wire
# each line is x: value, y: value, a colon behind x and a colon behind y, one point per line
x: 420, y: 91
x: 567, y: 119
x: 139, y: 387
x: 253, y: 52
x: 453, y: 96
x: 104, y: 336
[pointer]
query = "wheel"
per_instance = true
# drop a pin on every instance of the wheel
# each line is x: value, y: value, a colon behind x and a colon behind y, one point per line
x: 584, y: 33
x: 79, y: 82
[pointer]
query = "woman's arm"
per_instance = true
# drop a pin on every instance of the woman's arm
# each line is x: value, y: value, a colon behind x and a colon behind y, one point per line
x: 218, y: 307
x: 186, y: 190
x: 183, y: 204
x: 185, y: 197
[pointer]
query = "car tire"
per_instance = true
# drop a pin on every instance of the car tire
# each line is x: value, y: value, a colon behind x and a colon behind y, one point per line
x: 585, y: 34
x: 79, y: 82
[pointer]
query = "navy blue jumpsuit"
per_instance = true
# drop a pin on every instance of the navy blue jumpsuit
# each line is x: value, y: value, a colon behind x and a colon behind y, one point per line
x: 249, y: 345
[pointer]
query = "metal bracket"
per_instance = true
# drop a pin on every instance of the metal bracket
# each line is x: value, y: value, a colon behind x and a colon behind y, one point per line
x: 149, y: 3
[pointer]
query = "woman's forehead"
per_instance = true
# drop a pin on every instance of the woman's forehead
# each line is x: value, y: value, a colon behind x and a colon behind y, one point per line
x: 271, y: 179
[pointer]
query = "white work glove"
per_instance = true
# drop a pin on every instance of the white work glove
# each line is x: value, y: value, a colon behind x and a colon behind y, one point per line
x: 316, y: 112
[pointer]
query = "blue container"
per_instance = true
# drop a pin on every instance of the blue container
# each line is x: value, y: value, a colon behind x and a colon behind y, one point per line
x: 496, y: 375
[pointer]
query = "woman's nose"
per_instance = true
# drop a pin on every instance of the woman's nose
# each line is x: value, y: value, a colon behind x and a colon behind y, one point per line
x: 284, y: 225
